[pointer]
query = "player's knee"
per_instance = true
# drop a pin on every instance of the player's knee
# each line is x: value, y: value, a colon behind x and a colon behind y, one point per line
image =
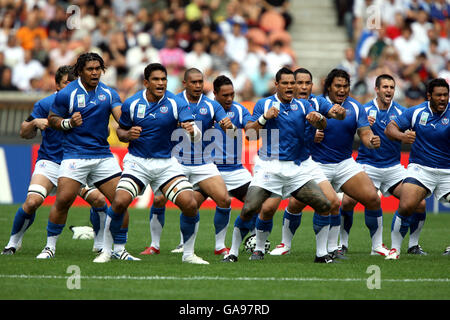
x: 323, y: 206
x: 294, y: 206
x: 248, y: 210
x: 372, y: 201
x: 97, y: 200
x: 422, y: 207
x: 32, y: 203
x: 121, y: 202
x: 334, y: 205
x: 159, y: 201
x: 224, y: 202
x: 189, y: 207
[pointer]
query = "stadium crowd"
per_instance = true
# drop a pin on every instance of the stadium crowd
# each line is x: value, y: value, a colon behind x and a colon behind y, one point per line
x: 246, y: 40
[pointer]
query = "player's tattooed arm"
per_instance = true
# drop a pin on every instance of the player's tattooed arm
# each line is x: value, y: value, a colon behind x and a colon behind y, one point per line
x: 29, y: 127
x: 59, y: 123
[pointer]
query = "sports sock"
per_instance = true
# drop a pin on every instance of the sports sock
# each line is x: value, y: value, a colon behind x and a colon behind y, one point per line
x: 22, y: 221
x: 53, y: 232
x: 346, y: 225
x: 399, y: 228
x: 98, y: 217
x: 333, y: 233
x: 291, y: 222
x: 416, y: 222
x: 263, y: 229
x: 120, y: 240
x: 240, y: 230
x: 321, y: 226
x: 374, y: 221
x: 157, y: 219
x: 253, y: 224
x: 113, y: 224
x: 221, y: 221
x: 189, y: 229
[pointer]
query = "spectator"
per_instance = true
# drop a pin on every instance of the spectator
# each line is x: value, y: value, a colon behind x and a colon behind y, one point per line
x: 14, y: 53
x: 445, y: 73
x: 439, y: 11
x: 253, y: 59
x: 220, y: 59
x: 140, y: 56
x: 236, y: 44
x: 30, y: 30
x: 420, y: 29
x: 184, y: 37
x: 130, y: 31
x: 102, y: 35
x: 41, y: 52
x: 375, y: 47
x: 6, y: 28
x: 415, y: 91
x: 278, y: 58
x: 158, y: 35
x: 262, y: 81
x: 23, y: 72
x: 57, y: 27
x: 199, y: 59
x: 6, y: 81
x: 62, y: 55
x: 172, y: 56
x: 436, y: 60
x: 238, y: 77
x: 122, y: 6
x: 349, y: 64
x: 407, y: 47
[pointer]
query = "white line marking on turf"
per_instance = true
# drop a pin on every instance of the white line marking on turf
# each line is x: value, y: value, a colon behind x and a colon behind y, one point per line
x: 140, y: 278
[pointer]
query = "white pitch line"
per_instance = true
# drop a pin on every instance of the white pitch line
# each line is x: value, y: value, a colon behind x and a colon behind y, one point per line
x: 150, y: 278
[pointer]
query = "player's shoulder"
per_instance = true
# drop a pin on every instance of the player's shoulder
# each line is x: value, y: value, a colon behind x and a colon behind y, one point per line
x: 398, y: 107
x: 369, y: 104
x: 352, y: 100
x: 138, y: 97
x: 105, y: 87
x: 67, y: 90
x: 49, y: 100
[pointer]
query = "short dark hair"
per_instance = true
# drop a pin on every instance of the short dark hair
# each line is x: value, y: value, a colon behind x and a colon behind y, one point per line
x: 437, y: 82
x: 383, y: 76
x: 153, y: 67
x: 85, y: 58
x: 302, y: 70
x: 62, y: 71
x: 189, y: 71
x: 221, y: 81
x: 282, y: 71
x: 335, y: 73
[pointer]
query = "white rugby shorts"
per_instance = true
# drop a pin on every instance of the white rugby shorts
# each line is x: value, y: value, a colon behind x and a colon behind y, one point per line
x: 89, y: 171
x: 196, y: 174
x: 339, y: 173
x: 50, y: 170
x: 436, y: 180
x: 281, y: 177
x: 151, y: 171
x: 385, y: 178
x: 236, y: 178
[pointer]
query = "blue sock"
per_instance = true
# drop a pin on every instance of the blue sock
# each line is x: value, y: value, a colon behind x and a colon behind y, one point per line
x: 20, y: 219
x: 121, y: 236
x: 160, y: 214
x: 95, y: 218
x: 221, y: 218
x: 335, y: 220
x: 371, y: 218
x: 54, y: 229
x: 116, y: 221
x: 404, y: 224
x: 264, y: 225
x: 347, y: 218
x: 415, y: 219
x: 244, y: 226
x: 187, y: 226
x: 253, y: 221
x: 319, y: 222
x: 294, y: 220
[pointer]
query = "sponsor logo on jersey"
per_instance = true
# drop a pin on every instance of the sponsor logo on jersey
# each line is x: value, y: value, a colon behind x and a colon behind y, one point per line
x: 423, y: 118
x: 373, y: 113
x: 141, y: 110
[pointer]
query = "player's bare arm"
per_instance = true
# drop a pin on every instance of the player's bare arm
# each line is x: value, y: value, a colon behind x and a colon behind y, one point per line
x: 28, y: 128
x: 192, y: 129
x: 117, y: 112
x: 59, y: 123
x: 393, y: 132
x: 367, y: 137
x: 317, y: 120
x: 252, y: 127
x: 131, y: 134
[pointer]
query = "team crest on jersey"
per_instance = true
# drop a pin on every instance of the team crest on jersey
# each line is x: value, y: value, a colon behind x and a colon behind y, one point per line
x: 230, y: 114
x: 101, y: 97
x: 81, y: 101
x: 294, y: 107
x: 392, y: 117
x: 444, y: 121
x: 423, y: 118
x: 163, y: 109
x: 203, y: 111
x: 72, y: 166
x: 141, y: 110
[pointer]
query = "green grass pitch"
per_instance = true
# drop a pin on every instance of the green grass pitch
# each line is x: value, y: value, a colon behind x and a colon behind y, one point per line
x: 165, y: 277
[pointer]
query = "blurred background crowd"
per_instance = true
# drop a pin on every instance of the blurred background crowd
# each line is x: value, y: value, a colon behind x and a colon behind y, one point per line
x: 247, y: 40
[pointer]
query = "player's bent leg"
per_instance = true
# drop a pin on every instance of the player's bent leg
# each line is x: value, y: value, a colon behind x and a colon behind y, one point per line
x: 97, y: 201
x: 157, y: 221
x: 346, y: 211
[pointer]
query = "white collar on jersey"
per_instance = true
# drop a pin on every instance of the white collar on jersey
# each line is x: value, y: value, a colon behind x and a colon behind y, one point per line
x: 185, y: 97
x: 333, y: 103
x: 429, y: 109
x: 278, y: 99
x: 376, y: 104
x: 81, y: 85
x: 144, y: 96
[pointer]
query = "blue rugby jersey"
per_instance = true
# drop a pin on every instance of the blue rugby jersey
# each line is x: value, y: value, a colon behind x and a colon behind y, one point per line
x: 388, y: 154
x: 284, y: 136
x: 321, y: 105
x: 51, y: 145
x: 158, y: 121
x: 228, y: 155
x: 88, y: 141
x: 205, y: 112
x: 337, y: 144
x: 432, y: 145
